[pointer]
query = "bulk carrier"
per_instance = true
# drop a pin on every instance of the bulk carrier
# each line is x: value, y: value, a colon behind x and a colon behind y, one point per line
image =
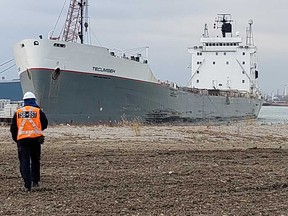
x: 85, y: 84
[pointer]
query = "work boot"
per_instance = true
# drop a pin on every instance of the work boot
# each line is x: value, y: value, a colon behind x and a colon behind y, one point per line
x: 35, y: 184
x: 26, y: 190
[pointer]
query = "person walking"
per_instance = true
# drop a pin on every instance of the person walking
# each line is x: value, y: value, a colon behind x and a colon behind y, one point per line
x: 26, y: 129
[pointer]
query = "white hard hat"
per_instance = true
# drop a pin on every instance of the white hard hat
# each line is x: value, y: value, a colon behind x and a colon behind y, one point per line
x: 29, y: 95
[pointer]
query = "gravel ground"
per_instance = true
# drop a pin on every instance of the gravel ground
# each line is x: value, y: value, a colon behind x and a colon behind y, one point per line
x: 237, y: 169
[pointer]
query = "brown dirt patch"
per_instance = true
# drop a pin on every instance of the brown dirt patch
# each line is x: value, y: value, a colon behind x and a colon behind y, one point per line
x: 160, y: 170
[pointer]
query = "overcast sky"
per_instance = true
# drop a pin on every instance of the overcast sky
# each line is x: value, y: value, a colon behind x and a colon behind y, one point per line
x: 168, y: 27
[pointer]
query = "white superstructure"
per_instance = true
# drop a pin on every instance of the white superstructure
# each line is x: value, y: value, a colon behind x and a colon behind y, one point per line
x: 224, y: 62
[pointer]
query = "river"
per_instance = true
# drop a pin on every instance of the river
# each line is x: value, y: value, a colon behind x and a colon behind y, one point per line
x: 273, y: 115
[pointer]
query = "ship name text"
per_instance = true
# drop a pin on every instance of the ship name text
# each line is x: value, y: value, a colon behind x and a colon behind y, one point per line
x: 106, y: 70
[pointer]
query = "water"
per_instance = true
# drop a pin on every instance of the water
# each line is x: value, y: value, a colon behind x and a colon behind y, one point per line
x: 273, y: 115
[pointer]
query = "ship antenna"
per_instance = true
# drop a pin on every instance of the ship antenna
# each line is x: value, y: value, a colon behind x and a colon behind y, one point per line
x: 249, y: 34
x: 206, y: 34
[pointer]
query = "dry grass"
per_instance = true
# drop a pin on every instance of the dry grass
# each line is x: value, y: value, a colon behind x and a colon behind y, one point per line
x: 135, y: 124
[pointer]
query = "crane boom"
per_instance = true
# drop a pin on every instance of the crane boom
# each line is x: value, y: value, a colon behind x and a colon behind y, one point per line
x: 73, y: 25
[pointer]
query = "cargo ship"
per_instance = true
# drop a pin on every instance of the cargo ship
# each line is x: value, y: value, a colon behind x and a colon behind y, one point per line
x: 275, y: 103
x: 11, y: 89
x: 10, y: 99
x: 85, y: 84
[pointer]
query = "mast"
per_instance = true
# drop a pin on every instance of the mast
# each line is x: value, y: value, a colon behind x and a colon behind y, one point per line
x: 74, y: 24
x: 206, y: 34
x: 81, y: 21
x: 249, y: 34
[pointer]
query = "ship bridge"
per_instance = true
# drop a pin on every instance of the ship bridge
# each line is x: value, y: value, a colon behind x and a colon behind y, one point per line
x: 220, y: 44
x: 224, y: 63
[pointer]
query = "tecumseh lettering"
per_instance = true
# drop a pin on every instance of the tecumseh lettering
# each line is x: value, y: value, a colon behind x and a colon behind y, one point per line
x: 107, y: 70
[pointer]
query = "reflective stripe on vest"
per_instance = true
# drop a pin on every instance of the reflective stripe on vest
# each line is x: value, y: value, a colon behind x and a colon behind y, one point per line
x: 28, y: 122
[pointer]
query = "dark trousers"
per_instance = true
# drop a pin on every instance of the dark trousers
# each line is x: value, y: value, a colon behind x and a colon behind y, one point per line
x: 29, y: 152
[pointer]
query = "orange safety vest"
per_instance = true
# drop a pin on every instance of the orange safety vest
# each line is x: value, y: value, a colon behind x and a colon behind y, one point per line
x: 28, y: 122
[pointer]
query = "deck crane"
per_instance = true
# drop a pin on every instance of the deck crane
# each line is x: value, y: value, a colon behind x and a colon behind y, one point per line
x: 74, y: 26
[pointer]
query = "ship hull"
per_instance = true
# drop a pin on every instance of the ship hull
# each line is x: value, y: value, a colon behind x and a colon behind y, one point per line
x: 77, y: 97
